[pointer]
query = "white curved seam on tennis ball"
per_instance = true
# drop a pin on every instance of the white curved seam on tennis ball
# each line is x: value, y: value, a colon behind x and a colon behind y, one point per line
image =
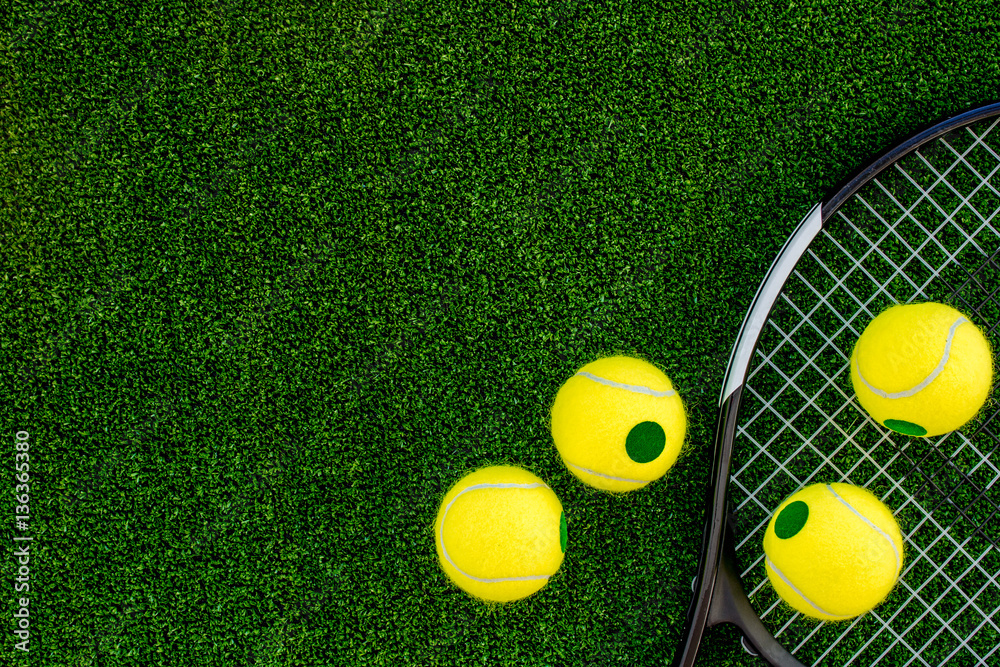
x: 927, y: 380
x: 497, y: 485
x: 637, y: 388
x: 800, y: 593
x: 868, y: 521
x: 616, y: 479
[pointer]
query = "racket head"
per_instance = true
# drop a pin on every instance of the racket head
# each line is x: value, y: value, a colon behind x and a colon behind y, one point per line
x: 918, y: 223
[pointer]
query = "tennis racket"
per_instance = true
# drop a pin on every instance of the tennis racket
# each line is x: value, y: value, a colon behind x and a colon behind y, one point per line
x: 920, y: 223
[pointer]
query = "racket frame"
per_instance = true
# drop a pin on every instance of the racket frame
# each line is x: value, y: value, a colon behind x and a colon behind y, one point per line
x: 719, y: 596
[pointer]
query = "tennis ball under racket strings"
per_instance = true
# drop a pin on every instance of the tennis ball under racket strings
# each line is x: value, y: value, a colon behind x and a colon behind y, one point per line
x: 500, y: 533
x: 922, y: 369
x: 833, y: 551
x: 618, y: 423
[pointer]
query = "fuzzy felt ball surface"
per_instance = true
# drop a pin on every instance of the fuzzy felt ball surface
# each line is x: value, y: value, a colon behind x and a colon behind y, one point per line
x: 500, y: 533
x: 618, y: 423
x: 833, y: 551
x: 922, y: 369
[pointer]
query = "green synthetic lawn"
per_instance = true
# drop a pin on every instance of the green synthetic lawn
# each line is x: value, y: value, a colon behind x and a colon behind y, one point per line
x: 277, y: 274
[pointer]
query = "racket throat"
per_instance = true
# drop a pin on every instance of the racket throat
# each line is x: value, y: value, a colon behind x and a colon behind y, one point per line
x: 730, y: 605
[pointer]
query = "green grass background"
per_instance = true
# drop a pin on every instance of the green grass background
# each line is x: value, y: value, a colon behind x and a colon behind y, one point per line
x: 275, y: 275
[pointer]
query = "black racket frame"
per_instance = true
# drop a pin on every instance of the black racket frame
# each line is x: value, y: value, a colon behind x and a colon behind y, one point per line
x: 719, y: 596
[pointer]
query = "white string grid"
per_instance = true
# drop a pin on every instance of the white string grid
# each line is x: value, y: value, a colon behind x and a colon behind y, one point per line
x: 925, y: 229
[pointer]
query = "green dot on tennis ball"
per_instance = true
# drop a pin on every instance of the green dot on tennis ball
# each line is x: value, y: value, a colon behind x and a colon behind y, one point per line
x: 563, y: 535
x: 645, y: 442
x: 904, y: 427
x: 791, y: 519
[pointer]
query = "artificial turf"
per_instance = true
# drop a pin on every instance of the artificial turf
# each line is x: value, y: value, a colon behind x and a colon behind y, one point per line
x: 276, y: 275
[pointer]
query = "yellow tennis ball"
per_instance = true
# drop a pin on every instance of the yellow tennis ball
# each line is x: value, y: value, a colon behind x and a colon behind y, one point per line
x: 833, y: 551
x: 500, y: 533
x: 922, y: 369
x: 618, y: 423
